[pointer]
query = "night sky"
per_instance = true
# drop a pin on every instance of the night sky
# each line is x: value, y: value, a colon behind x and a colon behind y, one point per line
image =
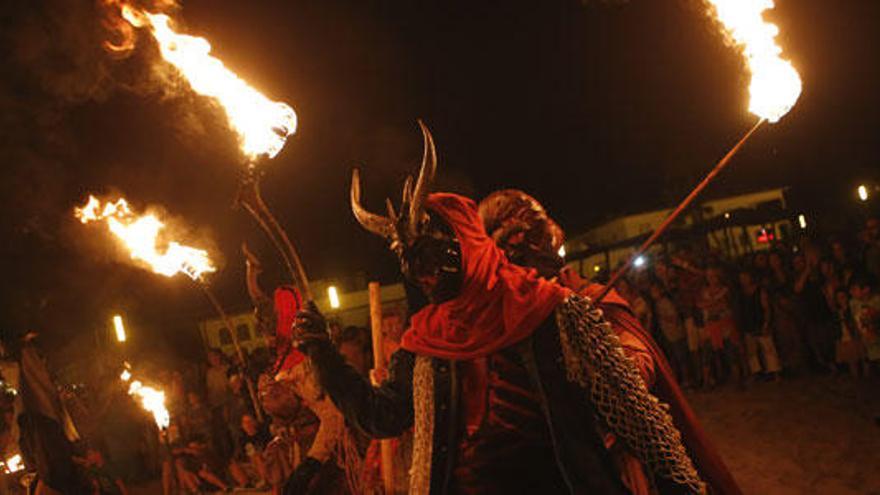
x: 596, y: 108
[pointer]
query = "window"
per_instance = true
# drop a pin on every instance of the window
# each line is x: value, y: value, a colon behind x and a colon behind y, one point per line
x: 243, y: 332
x: 225, y: 336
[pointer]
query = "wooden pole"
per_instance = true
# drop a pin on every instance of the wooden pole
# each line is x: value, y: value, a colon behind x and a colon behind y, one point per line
x: 675, y: 213
x: 379, y: 365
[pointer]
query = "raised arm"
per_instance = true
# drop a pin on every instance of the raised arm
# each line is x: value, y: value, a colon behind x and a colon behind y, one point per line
x: 382, y: 412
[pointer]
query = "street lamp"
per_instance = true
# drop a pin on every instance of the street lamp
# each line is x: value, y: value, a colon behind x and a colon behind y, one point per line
x: 120, y: 329
x: 333, y: 295
x: 863, y: 192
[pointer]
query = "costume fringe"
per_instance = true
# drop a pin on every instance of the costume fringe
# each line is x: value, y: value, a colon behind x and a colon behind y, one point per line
x: 594, y: 360
x: 423, y: 431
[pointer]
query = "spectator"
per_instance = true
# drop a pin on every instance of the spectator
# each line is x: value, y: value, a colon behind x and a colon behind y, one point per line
x: 672, y: 331
x: 218, y: 397
x: 849, y: 349
x: 757, y: 317
x: 871, y: 246
x: 785, y: 327
x: 197, y: 466
x: 354, y: 344
x: 718, y: 323
x: 814, y: 308
x: 248, y: 467
x: 104, y: 480
x: 639, y: 305
x: 865, y: 307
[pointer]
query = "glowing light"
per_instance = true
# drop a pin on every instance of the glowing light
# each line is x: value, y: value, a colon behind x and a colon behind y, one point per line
x: 120, y: 329
x: 776, y: 84
x: 561, y: 251
x: 863, y: 193
x: 152, y: 400
x: 141, y: 236
x: 597, y: 268
x: 639, y: 262
x: 802, y: 221
x: 14, y: 464
x: 262, y: 125
x: 333, y: 295
x: 727, y: 215
x: 125, y: 376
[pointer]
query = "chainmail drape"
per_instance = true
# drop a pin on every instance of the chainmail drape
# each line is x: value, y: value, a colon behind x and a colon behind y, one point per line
x: 595, y: 360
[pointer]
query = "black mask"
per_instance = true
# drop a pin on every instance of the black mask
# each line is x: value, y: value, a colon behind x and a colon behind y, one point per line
x: 433, y: 261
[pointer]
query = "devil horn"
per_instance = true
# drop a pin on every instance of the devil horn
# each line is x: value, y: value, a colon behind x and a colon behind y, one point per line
x: 425, y: 180
x: 376, y: 224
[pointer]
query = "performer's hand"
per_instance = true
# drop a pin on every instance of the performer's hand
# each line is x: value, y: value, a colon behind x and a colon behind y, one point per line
x: 377, y: 376
x: 310, y: 326
x: 299, y: 481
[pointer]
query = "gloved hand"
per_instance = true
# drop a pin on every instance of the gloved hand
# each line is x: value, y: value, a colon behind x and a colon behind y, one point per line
x: 298, y: 482
x: 309, y: 327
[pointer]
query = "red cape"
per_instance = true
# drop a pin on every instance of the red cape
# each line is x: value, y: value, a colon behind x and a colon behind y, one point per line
x: 500, y: 303
x: 707, y: 460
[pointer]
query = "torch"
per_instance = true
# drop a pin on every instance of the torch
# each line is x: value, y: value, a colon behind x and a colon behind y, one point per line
x: 140, y: 235
x: 262, y: 125
x: 774, y: 90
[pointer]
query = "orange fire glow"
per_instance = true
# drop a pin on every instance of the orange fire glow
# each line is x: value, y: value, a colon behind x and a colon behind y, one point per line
x: 262, y: 125
x: 141, y: 236
x: 776, y: 84
x: 152, y: 400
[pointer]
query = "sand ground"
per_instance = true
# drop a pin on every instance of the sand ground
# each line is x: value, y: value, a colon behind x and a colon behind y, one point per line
x: 811, y: 435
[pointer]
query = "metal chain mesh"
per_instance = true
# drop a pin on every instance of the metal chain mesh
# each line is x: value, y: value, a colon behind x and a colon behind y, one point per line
x: 595, y: 360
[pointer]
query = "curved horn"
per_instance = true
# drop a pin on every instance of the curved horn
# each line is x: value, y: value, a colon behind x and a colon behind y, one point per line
x: 376, y: 224
x: 425, y: 180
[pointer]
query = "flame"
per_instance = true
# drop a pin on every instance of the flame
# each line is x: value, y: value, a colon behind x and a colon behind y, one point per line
x: 140, y: 234
x: 776, y: 84
x: 153, y: 400
x: 262, y: 125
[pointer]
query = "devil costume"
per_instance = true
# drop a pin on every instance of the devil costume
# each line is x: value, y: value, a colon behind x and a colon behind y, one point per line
x: 522, y: 228
x: 509, y: 380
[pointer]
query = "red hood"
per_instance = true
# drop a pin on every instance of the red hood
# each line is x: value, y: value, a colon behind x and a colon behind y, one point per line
x: 499, y: 305
x: 287, y: 303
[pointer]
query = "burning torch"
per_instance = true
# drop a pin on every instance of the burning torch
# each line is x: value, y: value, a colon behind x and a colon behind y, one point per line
x: 140, y: 235
x: 262, y: 125
x: 774, y: 90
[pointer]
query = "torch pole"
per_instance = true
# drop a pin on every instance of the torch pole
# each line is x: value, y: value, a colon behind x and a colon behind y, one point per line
x: 255, y: 205
x: 678, y: 210
x: 379, y: 366
x: 226, y: 321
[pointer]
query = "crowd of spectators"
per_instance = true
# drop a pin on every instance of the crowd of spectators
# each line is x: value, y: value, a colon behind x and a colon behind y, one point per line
x: 808, y: 306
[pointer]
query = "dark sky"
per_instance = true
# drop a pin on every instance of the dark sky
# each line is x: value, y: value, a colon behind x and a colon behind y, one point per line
x: 596, y: 108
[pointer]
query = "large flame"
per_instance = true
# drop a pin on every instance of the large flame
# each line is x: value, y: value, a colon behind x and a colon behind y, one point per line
x: 140, y: 234
x: 775, y: 85
x: 262, y: 125
x: 153, y: 400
